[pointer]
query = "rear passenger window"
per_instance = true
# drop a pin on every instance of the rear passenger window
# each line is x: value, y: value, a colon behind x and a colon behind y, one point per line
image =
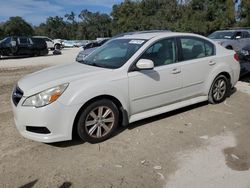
x: 193, y: 48
x: 23, y: 40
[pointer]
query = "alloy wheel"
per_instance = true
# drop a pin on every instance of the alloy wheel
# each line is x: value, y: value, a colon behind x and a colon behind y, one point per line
x: 219, y: 89
x: 99, y: 121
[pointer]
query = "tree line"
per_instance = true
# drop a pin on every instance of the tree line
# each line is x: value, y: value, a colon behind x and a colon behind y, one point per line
x: 198, y: 16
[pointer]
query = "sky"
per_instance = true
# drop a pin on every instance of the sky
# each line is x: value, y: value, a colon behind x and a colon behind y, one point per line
x: 36, y: 11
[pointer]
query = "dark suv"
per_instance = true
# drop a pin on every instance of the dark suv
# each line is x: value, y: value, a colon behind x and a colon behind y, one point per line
x: 12, y: 46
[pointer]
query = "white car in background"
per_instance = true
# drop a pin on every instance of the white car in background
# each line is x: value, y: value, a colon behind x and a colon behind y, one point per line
x: 233, y: 39
x: 129, y: 78
x: 51, y: 44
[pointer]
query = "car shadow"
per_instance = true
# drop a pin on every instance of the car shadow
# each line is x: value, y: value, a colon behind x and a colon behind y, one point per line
x: 22, y: 57
x: 245, y: 78
x: 77, y: 141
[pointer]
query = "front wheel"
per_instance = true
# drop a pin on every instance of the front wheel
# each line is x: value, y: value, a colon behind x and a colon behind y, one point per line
x: 98, y: 121
x: 57, y: 47
x: 219, y: 90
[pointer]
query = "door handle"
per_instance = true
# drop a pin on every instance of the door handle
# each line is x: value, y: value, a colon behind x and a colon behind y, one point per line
x: 176, y: 71
x: 211, y: 63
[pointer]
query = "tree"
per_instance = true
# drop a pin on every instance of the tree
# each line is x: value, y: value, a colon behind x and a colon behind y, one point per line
x: 71, y: 25
x: 17, y: 26
x: 127, y: 16
x: 54, y: 27
x: 1, y: 31
x: 95, y: 24
x: 245, y: 13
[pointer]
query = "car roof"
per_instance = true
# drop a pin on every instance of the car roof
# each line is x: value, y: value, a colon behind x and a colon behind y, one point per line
x: 233, y: 30
x: 148, y: 36
x: 140, y: 32
x: 40, y: 37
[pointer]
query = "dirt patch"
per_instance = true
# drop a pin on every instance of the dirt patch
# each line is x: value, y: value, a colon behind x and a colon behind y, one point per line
x: 236, y: 159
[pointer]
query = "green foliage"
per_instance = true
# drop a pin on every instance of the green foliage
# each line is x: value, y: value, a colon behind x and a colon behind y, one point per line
x: 95, y: 25
x: 55, y: 27
x: 245, y: 13
x: 198, y: 16
x: 17, y: 26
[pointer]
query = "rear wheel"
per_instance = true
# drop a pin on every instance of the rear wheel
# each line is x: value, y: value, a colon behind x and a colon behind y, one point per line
x: 219, y: 90
x: 98, y: 121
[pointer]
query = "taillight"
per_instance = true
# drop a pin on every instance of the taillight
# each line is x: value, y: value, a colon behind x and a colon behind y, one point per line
x: 236, y: 57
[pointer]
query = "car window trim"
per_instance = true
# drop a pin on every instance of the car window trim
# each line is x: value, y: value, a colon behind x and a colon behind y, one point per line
x: 196, y: 38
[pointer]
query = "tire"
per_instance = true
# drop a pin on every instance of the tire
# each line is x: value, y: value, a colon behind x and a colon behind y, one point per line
x: 219, y: 90
x: 57, y: 46
x: 98, y: 121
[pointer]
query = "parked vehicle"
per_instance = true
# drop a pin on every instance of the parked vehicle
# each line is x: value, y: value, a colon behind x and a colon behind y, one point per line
x: 80, y: 43
x: 244, y: 56
x: 51, y: 44
x: 89, y: 48
x: 94, y: 44
x: 232, y: 39
x: 12, y: 46
x: 128, y: 79
x: 69, y: 43
x: 84, y: 53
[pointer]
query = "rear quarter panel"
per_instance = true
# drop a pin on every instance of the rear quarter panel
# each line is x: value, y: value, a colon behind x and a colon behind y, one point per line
x: 225, y: 62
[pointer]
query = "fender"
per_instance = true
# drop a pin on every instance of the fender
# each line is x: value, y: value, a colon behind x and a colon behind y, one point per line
x: 115, y: 88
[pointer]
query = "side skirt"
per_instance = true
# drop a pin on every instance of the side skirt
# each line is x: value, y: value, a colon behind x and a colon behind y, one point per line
x: 167, y: 108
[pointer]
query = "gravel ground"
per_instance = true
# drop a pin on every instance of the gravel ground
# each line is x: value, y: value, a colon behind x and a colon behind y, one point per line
x: 199, y: 146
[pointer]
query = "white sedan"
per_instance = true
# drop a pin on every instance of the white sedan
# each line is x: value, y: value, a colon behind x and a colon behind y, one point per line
x: 130, y: 78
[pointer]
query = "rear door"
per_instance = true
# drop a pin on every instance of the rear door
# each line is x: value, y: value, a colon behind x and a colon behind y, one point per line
x: 24, y: 46
x: 197, y: 60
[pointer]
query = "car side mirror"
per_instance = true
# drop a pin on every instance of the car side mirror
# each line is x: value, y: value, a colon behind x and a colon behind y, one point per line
x: 145, y: 64
x: 238, y: 37
x: 13, y: 43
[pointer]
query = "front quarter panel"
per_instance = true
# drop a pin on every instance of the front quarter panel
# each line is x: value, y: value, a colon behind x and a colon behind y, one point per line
x: 81, y: 91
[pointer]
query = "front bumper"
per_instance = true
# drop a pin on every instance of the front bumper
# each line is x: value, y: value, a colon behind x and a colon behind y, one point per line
x: 56, y: 117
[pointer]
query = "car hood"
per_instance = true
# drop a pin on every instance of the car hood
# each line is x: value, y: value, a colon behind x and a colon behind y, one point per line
x: 54, y: 76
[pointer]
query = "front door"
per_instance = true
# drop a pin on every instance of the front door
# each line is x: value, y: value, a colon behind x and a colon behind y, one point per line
x: 150, y: 89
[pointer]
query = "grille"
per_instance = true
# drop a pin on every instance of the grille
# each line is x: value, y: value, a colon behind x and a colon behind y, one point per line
x: 17, y: 95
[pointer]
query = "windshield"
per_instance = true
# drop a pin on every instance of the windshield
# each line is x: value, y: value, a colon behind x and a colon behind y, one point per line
x: 114, y: 53
x: 222, y: 35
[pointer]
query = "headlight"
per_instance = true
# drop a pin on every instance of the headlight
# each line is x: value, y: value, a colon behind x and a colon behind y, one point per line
x: 45, y: 97
x: 244, y: 52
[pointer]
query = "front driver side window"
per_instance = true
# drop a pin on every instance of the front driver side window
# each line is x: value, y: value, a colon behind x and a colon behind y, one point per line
x: 162, y: 52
